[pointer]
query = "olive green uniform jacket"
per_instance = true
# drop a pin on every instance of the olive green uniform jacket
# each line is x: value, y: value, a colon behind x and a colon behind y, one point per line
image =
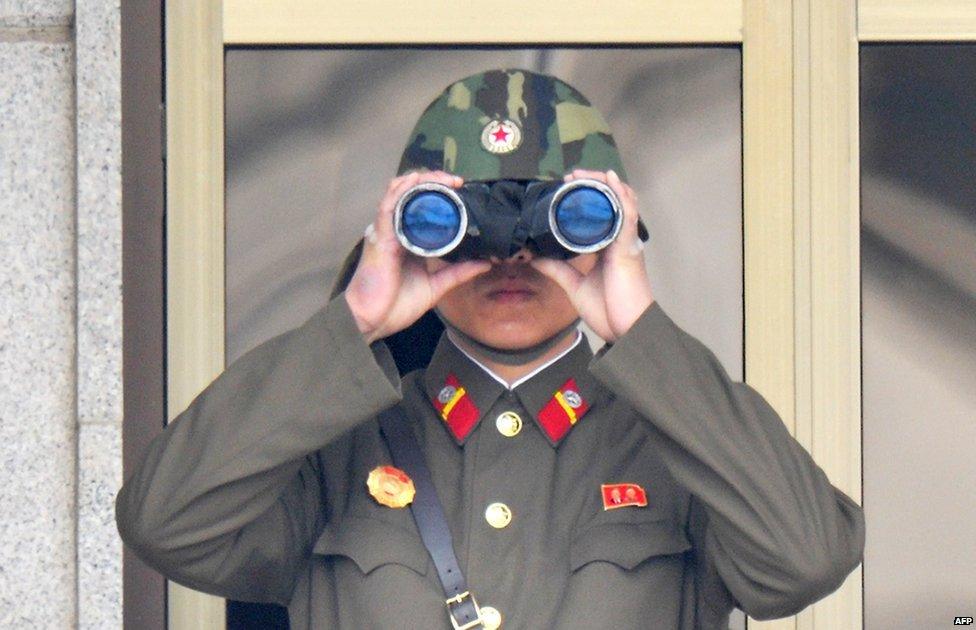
x: 257, y: 491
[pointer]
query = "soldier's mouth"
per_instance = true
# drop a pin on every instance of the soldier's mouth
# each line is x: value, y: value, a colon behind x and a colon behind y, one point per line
x: 510, y: 297
x: 511, y: 291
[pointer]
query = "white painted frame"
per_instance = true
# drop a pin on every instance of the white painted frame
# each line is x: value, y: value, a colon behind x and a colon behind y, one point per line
x: 800, y: 180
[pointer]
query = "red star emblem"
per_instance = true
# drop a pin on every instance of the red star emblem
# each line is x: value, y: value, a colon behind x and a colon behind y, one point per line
x: 500, y: 135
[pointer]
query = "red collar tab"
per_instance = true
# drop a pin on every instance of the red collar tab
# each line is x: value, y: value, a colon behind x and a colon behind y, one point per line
x: 456, y: 407
x: 563, y: 410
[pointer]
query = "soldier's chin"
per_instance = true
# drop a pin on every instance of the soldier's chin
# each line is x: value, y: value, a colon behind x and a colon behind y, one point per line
x: 514, y: 337
x: 506, y: 330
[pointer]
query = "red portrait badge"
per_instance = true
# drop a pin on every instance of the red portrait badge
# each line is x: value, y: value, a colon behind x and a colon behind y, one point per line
x: 616, y: 495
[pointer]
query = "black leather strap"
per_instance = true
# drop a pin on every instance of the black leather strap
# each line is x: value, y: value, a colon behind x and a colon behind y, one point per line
x: 429, y: 515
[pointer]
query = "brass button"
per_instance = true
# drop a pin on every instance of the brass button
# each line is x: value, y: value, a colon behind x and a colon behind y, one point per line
x: 491, y: 619
x: 498, y: 515
x: 508, y: 423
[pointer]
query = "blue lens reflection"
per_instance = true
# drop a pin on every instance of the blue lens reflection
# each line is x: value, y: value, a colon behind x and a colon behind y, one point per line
x: 584, y: 216
x: 430, y: 220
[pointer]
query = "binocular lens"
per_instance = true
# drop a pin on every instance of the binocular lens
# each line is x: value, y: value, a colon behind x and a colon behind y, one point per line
x: 585, y: 216
x: 555, y: 218
x: 430, y: 220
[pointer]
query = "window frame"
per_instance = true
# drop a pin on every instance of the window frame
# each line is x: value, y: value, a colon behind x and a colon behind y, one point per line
x: 801, y: 213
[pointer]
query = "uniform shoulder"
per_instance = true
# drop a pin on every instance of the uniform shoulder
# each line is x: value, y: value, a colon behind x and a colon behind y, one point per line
x: 412, y: 383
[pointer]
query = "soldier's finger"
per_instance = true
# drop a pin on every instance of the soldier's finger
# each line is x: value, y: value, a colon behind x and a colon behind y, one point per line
x: 394, y: 182
x: 628, y: 191
x: 442, y: 177
x: 384, y: 218
x: 445, y: 279
x: 563, y: 274
x: 380, y: 257
x: 384, y: 224
x: 388, y: 202
x: 628, y: 231
x: 380, y: 235
x: 600, y: 176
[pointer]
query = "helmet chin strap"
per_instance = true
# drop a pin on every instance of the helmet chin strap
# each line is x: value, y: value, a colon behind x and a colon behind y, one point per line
x: 518, y: 356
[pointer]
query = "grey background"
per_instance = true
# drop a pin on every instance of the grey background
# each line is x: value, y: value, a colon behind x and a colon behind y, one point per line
x: 313, y: 136
x: 918, y: 273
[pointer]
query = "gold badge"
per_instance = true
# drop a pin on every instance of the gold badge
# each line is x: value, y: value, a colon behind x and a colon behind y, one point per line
x: 501, y: 136
x: 390, y: 486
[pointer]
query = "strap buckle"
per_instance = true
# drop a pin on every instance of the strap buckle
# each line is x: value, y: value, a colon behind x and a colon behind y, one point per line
x: 457, y: 599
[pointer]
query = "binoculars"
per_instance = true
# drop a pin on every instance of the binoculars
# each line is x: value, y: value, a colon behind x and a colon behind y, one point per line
x: 498, y: 218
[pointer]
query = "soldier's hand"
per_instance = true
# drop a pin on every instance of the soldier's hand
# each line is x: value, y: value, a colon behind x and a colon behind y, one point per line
x: 617, y: 289
x: 391, y: 287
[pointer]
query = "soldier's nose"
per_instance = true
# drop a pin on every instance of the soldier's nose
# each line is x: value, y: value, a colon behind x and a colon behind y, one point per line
x: 521, y: 256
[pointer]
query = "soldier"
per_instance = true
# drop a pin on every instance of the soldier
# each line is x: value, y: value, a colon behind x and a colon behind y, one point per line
x: 510, y: 477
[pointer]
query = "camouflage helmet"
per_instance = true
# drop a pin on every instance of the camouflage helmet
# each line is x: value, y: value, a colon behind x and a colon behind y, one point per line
x: 510, y: 124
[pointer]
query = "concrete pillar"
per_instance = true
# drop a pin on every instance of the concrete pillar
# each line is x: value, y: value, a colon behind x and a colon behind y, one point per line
x: 60, y: 314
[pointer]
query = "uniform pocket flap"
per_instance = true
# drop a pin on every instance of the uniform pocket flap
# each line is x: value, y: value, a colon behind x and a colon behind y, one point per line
x: 626, y: 544
x: 370, y: 542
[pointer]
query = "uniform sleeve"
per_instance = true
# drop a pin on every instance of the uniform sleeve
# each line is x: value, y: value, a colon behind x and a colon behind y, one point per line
x: 778, y: 535
x: 228, y: 498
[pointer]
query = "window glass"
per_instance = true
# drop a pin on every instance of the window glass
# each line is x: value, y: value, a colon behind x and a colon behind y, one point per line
x: 918, y: 272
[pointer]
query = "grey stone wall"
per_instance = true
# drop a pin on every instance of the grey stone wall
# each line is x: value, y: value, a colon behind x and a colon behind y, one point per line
x: 60, y: 314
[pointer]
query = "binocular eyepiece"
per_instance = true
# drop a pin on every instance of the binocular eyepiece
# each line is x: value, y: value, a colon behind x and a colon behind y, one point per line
x: 483, y: 219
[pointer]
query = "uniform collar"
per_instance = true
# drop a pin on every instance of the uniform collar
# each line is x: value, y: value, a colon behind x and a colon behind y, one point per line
x: 462, y: 392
